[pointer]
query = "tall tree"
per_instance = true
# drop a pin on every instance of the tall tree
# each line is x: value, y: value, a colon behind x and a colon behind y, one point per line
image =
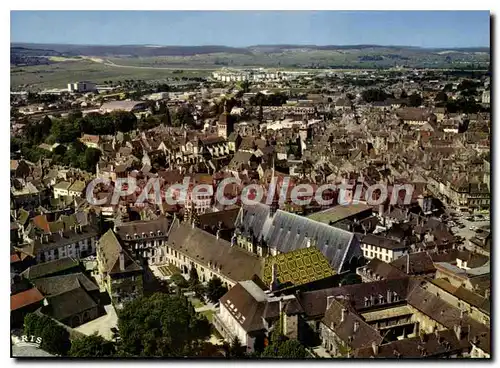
x: 92, y: 346
x: 55, y: 338
x: 215, y: 289
x: 161, y: 326
x: 415, y: 100
x: 288, y: 349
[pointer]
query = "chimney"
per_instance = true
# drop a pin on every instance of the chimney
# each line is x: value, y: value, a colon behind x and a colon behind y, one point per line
x: 281, y: 305
x: 375, y: 348
x: 122, y: 261
x: 389, y: 296
x: 356, y: 326
x: 487, y: 293
x: 463, y: 314
x: 329, y: 300
x: 308, y: 243
x: 344, y: 313
x: 274, y: 276
x: 458, y: 331
x: 217, y: 234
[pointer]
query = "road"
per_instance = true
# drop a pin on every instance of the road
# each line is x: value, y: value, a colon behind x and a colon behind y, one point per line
x: 101, y: 325
x: 465, y: 232
x: 111, y: 63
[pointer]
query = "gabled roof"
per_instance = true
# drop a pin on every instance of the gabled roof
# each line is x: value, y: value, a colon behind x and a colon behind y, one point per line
x: 365, y: 335
x: 375, y: 267
x: 420, y: 263
x: 285, y: 232
x: 49, y: 268
x: 111, y: 250
x: 25, y: 298
x: 297, y: 267
x: 68, y: 303
x: 226, y: 218
x: 315, y: 302
x: 246, y: 302
x: 446, y: 314
x: 467, y: 296
x: 234, y: 262
x: 430, y: 345
x: 59, y: 284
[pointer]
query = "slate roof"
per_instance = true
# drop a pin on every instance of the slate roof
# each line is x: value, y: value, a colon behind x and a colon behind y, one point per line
x: 235, y: 263
x: 226, y: 217
x: 151, y: 229
x: 420, y: 263
x: 286, y: 232
x: 67, y: 304
x: 382, y: 242
x: 365, y: 334
x: 339, y: 212
x: 478, y: 301
x: 59, y: 284
x: 111, y: 248
x: 375, y: 267
x: 246, y: 302
x: 315, y: 302
x: 431, y: 345
x: 249, y: 305
x: 49, y: 268
x: 240, y: 159
x: 447, y: 315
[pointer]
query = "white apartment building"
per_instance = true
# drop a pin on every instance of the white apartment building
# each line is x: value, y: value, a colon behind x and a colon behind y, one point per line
x: 79, y: 242
x: 82, y: 87
x: 380, y: 247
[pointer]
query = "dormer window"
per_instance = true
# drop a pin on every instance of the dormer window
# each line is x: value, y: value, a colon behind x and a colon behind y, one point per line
x: 367, y: 302
x: 151, y: 233
x: 128, y: 236
x: 143, y: 235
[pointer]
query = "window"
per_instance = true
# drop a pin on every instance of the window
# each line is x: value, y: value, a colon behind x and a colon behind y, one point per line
x: 387, y: 258
x: 371, y: 254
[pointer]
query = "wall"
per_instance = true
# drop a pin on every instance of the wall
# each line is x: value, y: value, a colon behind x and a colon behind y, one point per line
x: 87, y: 245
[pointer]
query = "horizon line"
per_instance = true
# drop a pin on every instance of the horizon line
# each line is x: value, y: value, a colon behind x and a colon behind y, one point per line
x: 255, y: 45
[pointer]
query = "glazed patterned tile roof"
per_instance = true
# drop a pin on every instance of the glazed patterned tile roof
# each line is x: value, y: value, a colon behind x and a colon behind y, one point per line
x: 287, y: 232
x: 298, y: 267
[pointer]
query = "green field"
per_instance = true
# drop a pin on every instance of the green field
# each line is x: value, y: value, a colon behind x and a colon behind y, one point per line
x: 58, y: 75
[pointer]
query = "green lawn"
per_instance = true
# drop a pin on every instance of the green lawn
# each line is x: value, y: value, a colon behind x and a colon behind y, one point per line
x: 209, y: 314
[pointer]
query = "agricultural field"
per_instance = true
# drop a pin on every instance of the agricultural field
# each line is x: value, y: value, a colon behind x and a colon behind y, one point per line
x: 58, y: 75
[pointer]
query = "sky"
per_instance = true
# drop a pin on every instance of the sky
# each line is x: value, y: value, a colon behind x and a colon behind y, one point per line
x: 246, y: 28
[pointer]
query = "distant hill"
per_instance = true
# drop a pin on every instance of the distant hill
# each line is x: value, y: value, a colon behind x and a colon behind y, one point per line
x: 133, y: 50
x: 303, y: 56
